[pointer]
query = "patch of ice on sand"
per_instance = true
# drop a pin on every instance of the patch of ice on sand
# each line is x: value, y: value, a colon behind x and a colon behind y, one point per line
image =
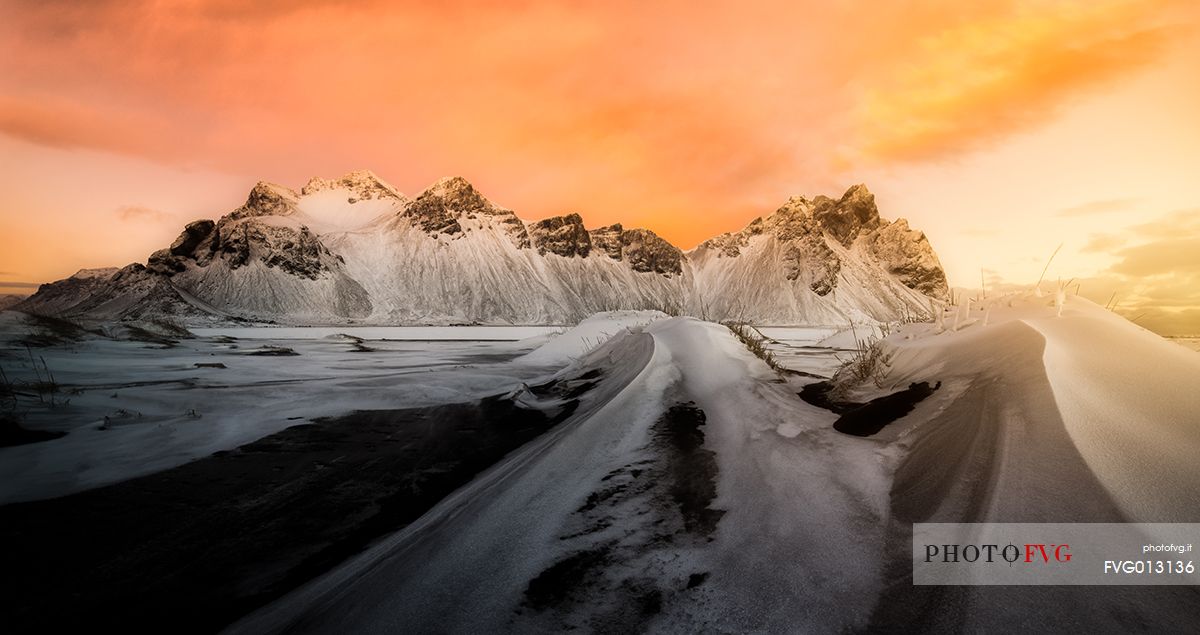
x: 589, y: 334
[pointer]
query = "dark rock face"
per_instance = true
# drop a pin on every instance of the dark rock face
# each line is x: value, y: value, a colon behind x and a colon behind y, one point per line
x: 174, y: 259
x: 193, y: 234
x: 430, y: 213
x: 645, y: 251
x: 811, y: 260
x: 297, y: 252
x: 517, y: 232
x: 793, y: 220
x: 608, y: 240
x: 641, y: 248
x: 237, y: 242
x: 463, y: 197
x: 165, y: 263
x: 562, y: 235
x: 439, y: 210
x: 907, y: 254
x: 237, y: 236
x: 853, y: 214
x: 452, y: 205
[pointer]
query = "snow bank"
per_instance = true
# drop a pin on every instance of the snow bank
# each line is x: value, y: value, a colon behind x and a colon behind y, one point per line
x: 852, y: 338
x: 1131, y: 403
x: 1042, y: 416
x: 589, y: 334
x: 1084, y: 399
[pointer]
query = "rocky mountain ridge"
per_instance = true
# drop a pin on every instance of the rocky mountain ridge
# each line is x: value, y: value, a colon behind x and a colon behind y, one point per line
x: 356, y: 250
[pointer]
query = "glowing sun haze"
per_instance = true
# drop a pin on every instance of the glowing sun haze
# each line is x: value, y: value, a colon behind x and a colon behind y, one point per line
x: 1000, y: 128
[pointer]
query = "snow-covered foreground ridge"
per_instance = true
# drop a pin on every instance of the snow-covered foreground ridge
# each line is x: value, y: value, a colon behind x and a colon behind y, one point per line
x: 1039, y: 417
x: 602, y: 489
x: 355, y: 250
x: 1079, y: 397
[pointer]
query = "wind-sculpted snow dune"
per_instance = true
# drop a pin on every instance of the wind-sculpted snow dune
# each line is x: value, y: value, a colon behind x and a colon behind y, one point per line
x: 1078, y: 400
x: 707, y: 496
x: 1045, y: 415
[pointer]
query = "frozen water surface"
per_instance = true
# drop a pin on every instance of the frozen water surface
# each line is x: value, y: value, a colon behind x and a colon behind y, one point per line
x: 130, y: 408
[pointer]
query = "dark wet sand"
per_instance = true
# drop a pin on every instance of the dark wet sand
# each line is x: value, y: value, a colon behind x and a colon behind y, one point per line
x: 673, y: 489
x: 13, y: 433
x: 194, y: 548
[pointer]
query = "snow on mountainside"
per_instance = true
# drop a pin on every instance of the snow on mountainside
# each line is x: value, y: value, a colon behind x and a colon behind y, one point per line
x: 356, y: 250
x: 353, y: 201
x: 822, y: 261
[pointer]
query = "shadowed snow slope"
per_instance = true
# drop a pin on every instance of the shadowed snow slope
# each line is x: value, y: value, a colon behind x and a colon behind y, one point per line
x: 356, y: 251
x: 1112, y: 401
x: 1042, y: 417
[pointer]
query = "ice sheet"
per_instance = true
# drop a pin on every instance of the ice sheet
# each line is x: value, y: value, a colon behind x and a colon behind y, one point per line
x: 131, y: 408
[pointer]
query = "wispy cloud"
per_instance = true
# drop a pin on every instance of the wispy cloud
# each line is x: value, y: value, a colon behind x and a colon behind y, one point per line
x: 140, y: 213
x: 983, y: 79
x: 1156, y: 274
x: 1160, y: 257
x: 1105, y: 206
x: 1104, y: 243
x: 1177, y: 225
x: 543, y: 105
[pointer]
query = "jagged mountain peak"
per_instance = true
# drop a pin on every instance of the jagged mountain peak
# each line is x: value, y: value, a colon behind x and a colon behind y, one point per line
x: 844, y: 218
x: 815, y: 237
x: 352, y: 249
x: 563, y: 235
x: 268, y: 199
x: 642, y: 249
x: 858, y: 191
x: 452, y: 187
x: 363, y: 184
x: 847, y: 217
x: 444, y: 207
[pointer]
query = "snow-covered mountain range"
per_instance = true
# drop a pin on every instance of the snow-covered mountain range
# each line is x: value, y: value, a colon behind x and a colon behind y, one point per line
x: 356, y: 250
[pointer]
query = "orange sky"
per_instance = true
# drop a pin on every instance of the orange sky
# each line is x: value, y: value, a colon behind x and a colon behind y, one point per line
x: 1001, y: 128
